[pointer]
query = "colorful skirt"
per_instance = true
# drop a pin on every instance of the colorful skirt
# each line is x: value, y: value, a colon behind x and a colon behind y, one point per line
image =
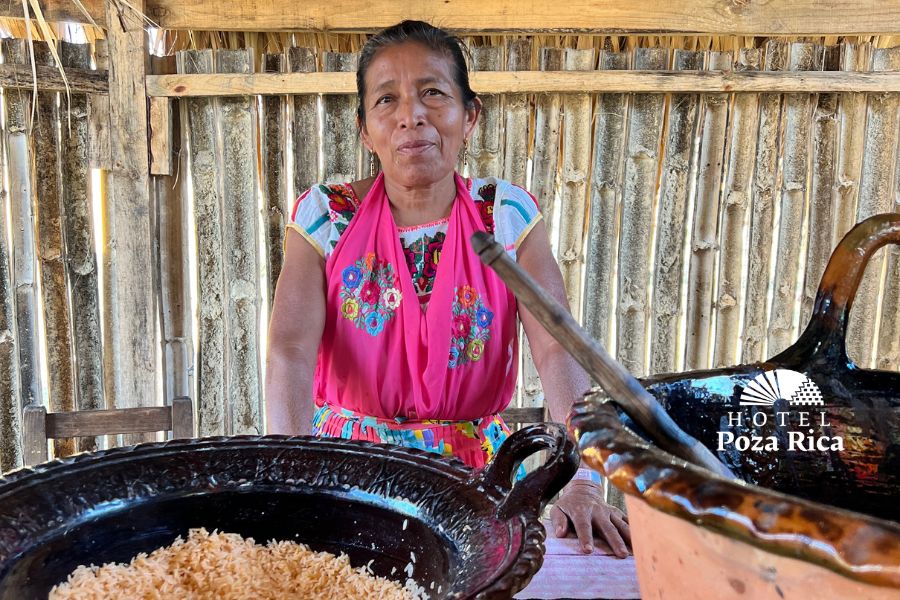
x: 472, y: 442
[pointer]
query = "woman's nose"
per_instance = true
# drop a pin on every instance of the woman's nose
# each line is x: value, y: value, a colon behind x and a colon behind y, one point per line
x: 412, y: 113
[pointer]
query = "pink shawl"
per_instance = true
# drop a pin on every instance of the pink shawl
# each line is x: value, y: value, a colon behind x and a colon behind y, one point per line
x: 382, y: 355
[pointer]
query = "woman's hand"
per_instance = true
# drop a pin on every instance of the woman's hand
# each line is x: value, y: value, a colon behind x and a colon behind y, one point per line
x: 581, y: 508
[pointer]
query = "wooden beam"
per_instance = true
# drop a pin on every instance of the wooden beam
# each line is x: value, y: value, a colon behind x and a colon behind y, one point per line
x: 727, y: 17
x: 500, y: 82
x: 49, y: 79
x: 55, y: 11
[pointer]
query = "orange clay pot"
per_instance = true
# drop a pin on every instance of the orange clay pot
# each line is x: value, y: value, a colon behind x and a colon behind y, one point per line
x: 799, y: 522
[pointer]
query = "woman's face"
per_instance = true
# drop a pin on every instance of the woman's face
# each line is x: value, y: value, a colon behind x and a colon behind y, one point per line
x: 415, y: 120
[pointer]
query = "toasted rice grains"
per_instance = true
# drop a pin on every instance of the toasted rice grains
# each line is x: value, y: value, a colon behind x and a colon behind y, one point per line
x: 229, y: 567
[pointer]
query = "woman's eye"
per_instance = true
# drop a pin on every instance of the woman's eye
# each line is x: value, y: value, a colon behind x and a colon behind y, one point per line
x: 383, y: 100
x: 433, y: 92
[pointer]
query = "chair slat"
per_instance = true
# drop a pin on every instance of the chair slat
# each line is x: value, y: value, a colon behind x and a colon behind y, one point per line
x: 109, y: 422
x: 516, y: 416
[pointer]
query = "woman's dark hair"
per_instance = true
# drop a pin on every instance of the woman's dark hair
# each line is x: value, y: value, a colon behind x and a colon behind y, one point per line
x: 431, y: 37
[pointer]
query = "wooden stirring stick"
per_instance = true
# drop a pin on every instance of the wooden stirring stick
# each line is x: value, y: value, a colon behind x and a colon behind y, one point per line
x: 622, y: 387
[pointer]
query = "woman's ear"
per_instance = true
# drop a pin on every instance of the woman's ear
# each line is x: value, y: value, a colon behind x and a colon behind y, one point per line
x: 472, y: 113
x: 363, y: 133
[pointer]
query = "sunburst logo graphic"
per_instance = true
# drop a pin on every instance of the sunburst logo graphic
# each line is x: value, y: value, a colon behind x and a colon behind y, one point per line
x: 781, y: 384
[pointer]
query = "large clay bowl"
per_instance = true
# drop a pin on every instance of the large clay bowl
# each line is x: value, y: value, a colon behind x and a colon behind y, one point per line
x: 473, y: 534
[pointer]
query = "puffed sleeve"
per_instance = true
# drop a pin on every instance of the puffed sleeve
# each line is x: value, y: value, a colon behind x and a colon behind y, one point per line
x: 310, y: 218
x: 516, y: 213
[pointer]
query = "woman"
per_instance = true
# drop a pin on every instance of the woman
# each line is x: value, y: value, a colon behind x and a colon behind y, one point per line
x: 385, y: 316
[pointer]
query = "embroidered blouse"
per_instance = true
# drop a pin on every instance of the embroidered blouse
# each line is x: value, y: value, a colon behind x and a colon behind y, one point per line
x: 323, y: 213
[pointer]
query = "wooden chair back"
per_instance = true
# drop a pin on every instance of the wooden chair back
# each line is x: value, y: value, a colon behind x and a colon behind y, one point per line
x: 39, y: 425
x: 523, y: 416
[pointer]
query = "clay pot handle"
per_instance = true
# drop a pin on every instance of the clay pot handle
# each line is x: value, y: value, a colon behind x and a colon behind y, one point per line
x: 840, y: 282
x: 532, y: 493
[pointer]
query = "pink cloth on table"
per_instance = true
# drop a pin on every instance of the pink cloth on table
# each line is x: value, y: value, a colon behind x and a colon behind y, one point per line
x: 381, y: 355
x: 569, y: 573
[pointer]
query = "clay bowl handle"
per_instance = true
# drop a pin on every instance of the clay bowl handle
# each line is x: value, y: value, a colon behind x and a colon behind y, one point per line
x: 827, y: 329
x: 618, y: 383
x: 538, y: 487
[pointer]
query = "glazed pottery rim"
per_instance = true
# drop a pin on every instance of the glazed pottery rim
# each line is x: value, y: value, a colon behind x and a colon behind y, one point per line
x: 499, y: 584
x: 607, y: 445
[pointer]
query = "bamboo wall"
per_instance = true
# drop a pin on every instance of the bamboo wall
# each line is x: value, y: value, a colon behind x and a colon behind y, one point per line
x: 691, y: 229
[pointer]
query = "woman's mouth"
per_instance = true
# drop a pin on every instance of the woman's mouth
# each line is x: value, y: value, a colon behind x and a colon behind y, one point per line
x: 415, y: 147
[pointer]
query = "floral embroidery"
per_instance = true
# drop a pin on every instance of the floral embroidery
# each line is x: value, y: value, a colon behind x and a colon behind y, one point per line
x: 391, y: 298
x: 350, y: 309
x: 352, y: 276
x: 474, y: 349
x: 342, y: 205
x: 369, y: 294
x: 485, y: 205
x: 422, y: 258
x: 470, y: 327
x: 466, y: 296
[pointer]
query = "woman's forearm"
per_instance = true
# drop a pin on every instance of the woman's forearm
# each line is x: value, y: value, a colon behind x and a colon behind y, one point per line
x: 295, y: 331
x: 289, y: 399
x: 563, y: 381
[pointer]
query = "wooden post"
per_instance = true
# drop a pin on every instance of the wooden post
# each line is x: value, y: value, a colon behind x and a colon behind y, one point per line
x: 576, y: 169
x: 606, y: 195
x: 543, y: 185
x: 701, y: 270
x: 641, y: 171
x: 819, y: 246
x: 517, y: 115
x: 34, y: 431
x: 206, y: 182
x: 21, y: 197
x: 131, y: 303
x: 605, y: 203
x: 875, y: 196
x: 762, y: 210
x: 98, y: 115
x: 100, y: 154
x: 240, y: 212
x: 485, y: 144
x: 852, y: 118
x: 341, y: 144
x: 730, y: 295
x: 10, y: 412
x: 795, y: 160
x: 305, y: 126
x: 81, y: 264
x: 160, y: 135
x: 174, y: 264
x: 671, y: 227
x: 547, y: 122
x: 888, y: 355
x: 182, y: 418
x: 51, y: 252
x: 273, y: 142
